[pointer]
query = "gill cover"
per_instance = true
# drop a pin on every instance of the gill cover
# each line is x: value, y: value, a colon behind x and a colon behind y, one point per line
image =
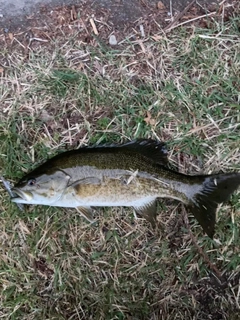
x: 44, y: 189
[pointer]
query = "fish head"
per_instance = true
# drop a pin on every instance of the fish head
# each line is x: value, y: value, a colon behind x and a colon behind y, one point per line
x: 43, y: 189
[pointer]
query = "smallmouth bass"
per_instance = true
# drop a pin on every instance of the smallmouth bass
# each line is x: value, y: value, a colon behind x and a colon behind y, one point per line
x: 134, y: 174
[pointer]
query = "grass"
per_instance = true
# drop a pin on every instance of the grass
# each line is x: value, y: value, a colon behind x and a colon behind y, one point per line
x: 182, y: 88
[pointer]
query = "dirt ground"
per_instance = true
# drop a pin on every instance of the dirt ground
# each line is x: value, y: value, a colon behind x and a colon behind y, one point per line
x: 28, y: 26
x: 22, y: 14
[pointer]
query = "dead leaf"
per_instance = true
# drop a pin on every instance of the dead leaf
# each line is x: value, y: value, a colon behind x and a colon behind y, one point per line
x: 1, y: 69
x: 42, y: 268
x: 149, y: 119
x: 45, y: 116
x: 160, y: 5
x: 10, y: 35
x: 157, y: 37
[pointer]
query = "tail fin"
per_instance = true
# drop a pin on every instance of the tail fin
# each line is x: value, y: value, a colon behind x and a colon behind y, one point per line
x: 215, y: 190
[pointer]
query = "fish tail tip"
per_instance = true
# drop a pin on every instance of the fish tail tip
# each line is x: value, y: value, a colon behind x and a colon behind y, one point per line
x: 215, y: 189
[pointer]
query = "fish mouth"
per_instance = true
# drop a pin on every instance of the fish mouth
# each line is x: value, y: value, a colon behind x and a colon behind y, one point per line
x: 21, y: 196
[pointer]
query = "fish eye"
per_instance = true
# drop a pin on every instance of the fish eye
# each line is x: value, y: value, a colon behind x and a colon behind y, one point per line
x: 31, y: 182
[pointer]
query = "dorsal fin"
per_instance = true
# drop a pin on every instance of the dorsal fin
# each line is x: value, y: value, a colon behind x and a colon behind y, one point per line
x: 149, y: 148
x: 152, y: 149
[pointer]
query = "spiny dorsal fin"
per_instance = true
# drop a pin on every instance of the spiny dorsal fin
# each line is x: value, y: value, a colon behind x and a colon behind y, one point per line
x: 152, y: 149
x: 149, y: 148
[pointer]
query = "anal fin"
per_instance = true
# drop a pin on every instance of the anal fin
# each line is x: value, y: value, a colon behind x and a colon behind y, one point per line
x: 87, y: 213
x: 148, y: 211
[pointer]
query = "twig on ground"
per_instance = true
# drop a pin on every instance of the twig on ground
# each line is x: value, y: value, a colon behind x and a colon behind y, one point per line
x: 178, y: 17
x: 94, y: 26
x: 191, y: 20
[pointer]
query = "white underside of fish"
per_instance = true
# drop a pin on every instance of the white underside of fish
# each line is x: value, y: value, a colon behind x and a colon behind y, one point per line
x: 73, y: 203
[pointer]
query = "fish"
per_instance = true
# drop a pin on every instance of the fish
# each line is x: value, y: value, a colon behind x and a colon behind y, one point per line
x: 133, y: 174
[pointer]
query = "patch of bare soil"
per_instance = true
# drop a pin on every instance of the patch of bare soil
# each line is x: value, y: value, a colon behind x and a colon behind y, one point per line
x: 94, y: 23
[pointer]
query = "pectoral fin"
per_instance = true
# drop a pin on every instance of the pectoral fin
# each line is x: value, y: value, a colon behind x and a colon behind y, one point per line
x: 87, y: 213
x: 149, y: 212
x: 87, y: 180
